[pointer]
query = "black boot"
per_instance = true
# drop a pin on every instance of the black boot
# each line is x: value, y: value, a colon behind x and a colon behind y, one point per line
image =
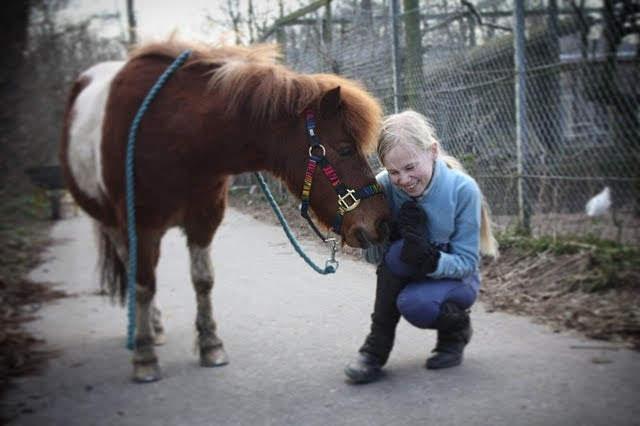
x: 454, y: 333
x: 364, y: 369
x: 374, y: 353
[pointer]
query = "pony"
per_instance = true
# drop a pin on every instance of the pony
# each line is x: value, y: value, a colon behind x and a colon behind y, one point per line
x: 226, y: 110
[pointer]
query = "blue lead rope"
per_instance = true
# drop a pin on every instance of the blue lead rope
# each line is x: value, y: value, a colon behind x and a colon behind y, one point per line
x: 130, y: 194
x: 330, y: 267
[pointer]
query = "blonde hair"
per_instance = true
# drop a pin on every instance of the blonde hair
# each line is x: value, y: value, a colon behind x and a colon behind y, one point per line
x: 413, y: 128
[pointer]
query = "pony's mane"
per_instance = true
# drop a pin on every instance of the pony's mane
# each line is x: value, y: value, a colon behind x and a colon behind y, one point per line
x: 251, y: 80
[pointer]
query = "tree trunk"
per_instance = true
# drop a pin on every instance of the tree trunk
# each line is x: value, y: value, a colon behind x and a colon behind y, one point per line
x: 413, y: 54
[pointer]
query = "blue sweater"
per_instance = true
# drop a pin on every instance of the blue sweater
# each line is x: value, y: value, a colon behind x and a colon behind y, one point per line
x: 452, y: 202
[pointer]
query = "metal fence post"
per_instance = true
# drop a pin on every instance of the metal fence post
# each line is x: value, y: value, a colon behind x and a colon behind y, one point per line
x: 522, y: 133
x: 394, y: 7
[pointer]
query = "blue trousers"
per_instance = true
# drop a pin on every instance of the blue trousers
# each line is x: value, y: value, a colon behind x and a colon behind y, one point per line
x: 419, y: 302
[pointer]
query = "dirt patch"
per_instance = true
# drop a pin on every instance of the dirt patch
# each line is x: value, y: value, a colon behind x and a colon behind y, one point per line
x: 566, y: 291
x: 20, y: 352
x: 23, y: 237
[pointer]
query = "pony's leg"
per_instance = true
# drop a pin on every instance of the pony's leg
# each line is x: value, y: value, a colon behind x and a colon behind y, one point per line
x: 159, y: 338
x: 145, y: 362
x: 201, y: 221
x: 212, y: 353
x: 119, y: 242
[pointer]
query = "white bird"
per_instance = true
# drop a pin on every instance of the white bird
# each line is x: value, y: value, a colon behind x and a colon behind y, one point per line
x: 599, y: 204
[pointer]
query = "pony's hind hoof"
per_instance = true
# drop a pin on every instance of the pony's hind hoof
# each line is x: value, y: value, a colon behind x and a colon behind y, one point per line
x: 146, y: 373
x: 213, y: 357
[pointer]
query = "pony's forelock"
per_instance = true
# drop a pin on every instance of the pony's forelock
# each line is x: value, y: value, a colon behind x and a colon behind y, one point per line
x: 252, y: 76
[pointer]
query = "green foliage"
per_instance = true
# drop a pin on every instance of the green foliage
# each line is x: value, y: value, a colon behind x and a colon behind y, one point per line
x: 531, y: 246
x: 22, y: 228
x: 22, y: 208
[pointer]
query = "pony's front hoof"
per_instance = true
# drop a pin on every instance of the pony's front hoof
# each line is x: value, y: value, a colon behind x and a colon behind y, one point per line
x: 146, y: 373
x: 213, y: 357
x: 159, y: 339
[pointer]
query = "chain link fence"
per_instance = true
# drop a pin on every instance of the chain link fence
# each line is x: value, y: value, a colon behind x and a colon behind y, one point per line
x: 579, y: 126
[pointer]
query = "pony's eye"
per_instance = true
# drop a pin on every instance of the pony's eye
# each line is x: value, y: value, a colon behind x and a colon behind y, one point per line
x: 346, y: 151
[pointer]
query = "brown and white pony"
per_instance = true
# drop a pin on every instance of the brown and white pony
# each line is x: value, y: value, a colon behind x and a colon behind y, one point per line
x: 227, y: 110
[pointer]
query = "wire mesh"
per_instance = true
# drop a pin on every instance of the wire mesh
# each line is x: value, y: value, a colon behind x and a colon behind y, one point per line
x: 582, y: 116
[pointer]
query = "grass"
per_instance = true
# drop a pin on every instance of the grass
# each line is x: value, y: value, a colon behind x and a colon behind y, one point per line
x: 611, y: 265
x: 22, y: 228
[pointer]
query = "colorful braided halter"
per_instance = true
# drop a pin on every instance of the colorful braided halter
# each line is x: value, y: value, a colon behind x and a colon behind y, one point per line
x: 348, y: 199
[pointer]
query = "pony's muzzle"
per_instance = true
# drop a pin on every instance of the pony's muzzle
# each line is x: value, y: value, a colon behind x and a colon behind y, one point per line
x: 383, y: 226
x: 383, y: 229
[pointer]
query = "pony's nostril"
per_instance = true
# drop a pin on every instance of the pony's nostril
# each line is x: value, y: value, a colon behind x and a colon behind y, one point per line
x: 384, y: 229
x: 362, y: 238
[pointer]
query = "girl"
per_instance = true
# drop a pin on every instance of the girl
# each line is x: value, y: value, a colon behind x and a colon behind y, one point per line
x: 429, y: 270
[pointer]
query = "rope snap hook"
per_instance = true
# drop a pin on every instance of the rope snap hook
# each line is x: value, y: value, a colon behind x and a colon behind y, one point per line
x: 332, y: 262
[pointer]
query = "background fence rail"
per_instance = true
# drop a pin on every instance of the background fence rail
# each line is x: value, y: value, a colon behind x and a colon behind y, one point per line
x: 456, y: 64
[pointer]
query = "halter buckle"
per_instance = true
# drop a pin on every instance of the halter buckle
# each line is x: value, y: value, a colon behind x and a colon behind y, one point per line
x: 344, y: 200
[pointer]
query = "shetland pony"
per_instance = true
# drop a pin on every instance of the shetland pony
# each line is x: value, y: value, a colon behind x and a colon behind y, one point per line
x: 227, y: 110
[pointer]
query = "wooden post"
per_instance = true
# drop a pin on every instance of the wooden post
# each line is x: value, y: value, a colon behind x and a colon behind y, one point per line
x: 326, y: 25
x: 522, y: 134
x: 413, y: 54
x: 133, y: 27
x: 394, y: 14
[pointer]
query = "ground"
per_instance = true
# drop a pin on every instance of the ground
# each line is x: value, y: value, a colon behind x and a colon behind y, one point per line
x: 23, y: 234
x: 289, y: 332
x: 561, y: 286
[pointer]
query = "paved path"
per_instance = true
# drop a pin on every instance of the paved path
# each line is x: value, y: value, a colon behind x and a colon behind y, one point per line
x: 289, y: 332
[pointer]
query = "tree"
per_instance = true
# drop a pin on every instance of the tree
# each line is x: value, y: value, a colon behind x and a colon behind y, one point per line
x: 56, y: 53
x: 247, y: 19
x: 13, y: 35
x: 412, y: 66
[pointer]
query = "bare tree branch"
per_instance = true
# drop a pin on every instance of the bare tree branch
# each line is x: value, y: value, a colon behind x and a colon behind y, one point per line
x: 476, y: 14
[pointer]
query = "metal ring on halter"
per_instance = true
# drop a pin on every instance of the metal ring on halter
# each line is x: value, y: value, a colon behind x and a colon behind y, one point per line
x: 317, y: 146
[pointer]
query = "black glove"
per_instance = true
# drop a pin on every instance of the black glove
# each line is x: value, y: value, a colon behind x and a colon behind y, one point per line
x: 418, y: 252
x: 411, y: 218
x: 394, y: 234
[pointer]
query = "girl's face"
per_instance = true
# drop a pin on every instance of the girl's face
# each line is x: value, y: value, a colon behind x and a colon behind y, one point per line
x: 410, y: 168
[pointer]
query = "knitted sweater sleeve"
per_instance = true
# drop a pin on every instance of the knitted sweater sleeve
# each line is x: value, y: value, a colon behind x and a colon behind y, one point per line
x: 464, y: 246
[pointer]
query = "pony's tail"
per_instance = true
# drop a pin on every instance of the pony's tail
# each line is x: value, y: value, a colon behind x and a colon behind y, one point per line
x: 488, y: 243
x: 113, y: 275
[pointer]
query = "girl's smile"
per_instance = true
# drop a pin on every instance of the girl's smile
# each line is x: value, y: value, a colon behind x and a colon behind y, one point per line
x: 410, y: 169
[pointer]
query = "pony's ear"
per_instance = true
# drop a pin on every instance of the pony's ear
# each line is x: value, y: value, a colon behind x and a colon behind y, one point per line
x: 330, y: 103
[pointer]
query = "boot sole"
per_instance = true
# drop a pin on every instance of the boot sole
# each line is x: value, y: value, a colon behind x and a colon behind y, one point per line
x: 430, y: 366
x: 358, y: 378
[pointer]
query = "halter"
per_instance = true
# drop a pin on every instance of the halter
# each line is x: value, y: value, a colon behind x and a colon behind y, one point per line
x: 348, y: 199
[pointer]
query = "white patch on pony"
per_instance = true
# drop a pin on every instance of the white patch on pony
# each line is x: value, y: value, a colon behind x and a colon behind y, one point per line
x: 85, y: 132
x: 201, y: 269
